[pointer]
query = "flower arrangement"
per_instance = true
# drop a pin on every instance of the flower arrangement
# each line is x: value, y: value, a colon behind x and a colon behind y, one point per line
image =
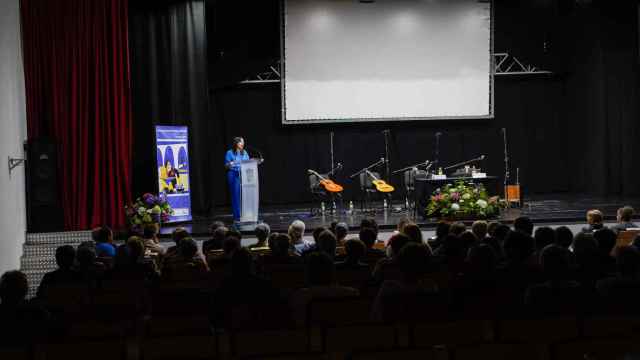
x: 148, y: 209
x: 463, y: 200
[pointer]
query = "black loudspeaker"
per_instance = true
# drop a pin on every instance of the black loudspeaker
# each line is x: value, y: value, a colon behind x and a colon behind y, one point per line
x: 44, y: 210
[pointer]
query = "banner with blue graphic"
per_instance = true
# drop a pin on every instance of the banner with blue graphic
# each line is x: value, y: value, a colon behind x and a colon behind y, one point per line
x: 172, y: 143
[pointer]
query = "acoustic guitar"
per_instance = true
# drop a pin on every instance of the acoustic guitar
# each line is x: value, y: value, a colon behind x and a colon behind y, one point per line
x: 327, y: 183
x: 380, y: 185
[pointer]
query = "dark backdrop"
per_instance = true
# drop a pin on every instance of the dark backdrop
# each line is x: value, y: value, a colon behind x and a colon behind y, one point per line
x: 573, y: 132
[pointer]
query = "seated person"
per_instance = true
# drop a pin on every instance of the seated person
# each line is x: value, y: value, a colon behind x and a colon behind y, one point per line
x: 387, y: 268
x: 621, y: 293
x: 543, y: 236
x: 177, y: 235
x: 457, y: 228
x: 280, y: 252
x: 624, y: 217
x: 232, y: 242
x: 559, y: 295
x: 298, y: 244
x: 217, y: 239
x: 341, y: 231
x: 320, y: 284
x: 396, y: 299
x: 564, y: 237
x: 103, y: 237
x: 90, y: 270
x: 151, y: 241
x: 355, y: 251
x: 131, y: 263
x: 413, y: 231
x: 327, y: 243
x: 480, y: 228
x: 187, y: 261
x: 606, y: 240
x: 524, y: 225
x: 442, y: 230
x: 369, y: 237
x: 595, y: 221
x: 21, y: 323
x: 64, y: 274
x: 262, y: 232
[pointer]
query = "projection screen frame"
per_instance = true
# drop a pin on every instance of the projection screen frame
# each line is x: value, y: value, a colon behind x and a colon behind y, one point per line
x: 283, y: 90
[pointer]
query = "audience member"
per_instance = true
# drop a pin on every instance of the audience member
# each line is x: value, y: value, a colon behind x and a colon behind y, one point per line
x: 606, y: 240
x: 321, y: 284
x: 387, y: 268
x: 341, y: 231
x: 315, y: 234
x: 186, y: 263
x: 595, y: 221
x: 480, y: 229
x: 369, y: 223
x: 177, y: 235
x: 369, y: 237
x: 587, y: 258
x: 523, y: 224
x: 402, y: 223
x: 262, y: 232
x: 327, y: 243
x: 151, y: 241
x: 217, y: 239
x: 564, y: 237
x: 442, y: 230
x: 103, y: 237
x: 355, y: 251
x: 517, y: 272
x: 468, y: 239
x: 131, y: 263
x: 414, y: 233
x: 281, y: 253
x: 457, y: 228
x: 64, y: 274
x: 543, y: 237
x: 559, y: 294
x: 394, y: 296
x: 298, y: 244
x: 475, y: 288
x: 491, y: 227
x: 624, y: 217
x: 21, y: 322
x: 88, y: 268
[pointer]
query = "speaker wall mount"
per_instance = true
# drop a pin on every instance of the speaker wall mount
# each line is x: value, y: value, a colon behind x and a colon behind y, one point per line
x: 14, y: 163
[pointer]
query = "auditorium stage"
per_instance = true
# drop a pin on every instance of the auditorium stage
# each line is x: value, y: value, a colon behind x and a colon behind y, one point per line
x: 555, y: 209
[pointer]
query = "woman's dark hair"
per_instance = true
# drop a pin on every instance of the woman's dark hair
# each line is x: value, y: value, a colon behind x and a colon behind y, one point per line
x: 237, y: 140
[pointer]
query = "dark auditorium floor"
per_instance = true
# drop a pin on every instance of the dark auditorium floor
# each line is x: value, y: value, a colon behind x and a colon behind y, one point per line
x: 542, y: 209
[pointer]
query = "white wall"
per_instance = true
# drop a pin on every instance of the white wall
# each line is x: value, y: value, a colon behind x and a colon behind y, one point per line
x: 13, y: 132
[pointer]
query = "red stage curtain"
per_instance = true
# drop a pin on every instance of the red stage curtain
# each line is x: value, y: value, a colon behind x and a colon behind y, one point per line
x: 76, y: 63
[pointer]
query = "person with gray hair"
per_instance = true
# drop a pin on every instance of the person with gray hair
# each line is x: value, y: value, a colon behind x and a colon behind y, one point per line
x: 298, y: 244
x: 262, y: 232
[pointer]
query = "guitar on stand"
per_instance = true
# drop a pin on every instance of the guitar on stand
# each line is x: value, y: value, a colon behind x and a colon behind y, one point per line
x: 511, y: 192
x: 328, y: 184
x: 379, y: 184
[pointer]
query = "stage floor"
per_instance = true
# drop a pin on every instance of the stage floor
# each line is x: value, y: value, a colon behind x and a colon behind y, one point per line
x: 541, y: 209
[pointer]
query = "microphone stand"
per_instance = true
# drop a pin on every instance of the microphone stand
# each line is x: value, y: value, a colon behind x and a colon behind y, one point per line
x: 377, y: 163
x: 465, y: 163
x: 386, y: 150
x: 506, y: 163
x: 437, y: 155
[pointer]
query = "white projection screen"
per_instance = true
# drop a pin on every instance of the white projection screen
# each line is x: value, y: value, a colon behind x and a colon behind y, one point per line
x: 386, y: 60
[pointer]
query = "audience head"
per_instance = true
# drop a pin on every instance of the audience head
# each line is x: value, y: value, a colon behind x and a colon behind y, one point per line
x: 625, y: 214
x: 102, y: 234
x: 317, y: 231
x: 544, y: 236
x: 628, y: 262
x: 369, y: 223
x: 219, y: 234
x: 241, y: 263
x: 65, y: 256
x: 327, y: 243
x: 413, y: 232
x: 178, y: 234
x: 606, y: 239
x: 86, y: 256
x: 401, y: 224
x: 414, y: 261
x: 584, y: 243
x: 368, y: 236
x: 319, y: 269
x: 491, y: 227
x: 480, y: 228
x: 135, y: 249
x: 215, y: 225
x: 355, y: 250
x: 452, y: 247
x: 442, y: 229
x: 188, y: 248
x: 518, y: 247
x: 594, y: 217
x: 397, y: 242
x: 501, y: 233
x: 482, y: 259
x: 556, y: 262
x: 13, y: 287
x: 564, y: 237
x: 279, y: 245
x: 523, y: 224
x: 232, y: 242
x: 341, y: 230
x: 457, y: 228
x: 296, y: 231
x: 262, y: 232
x: 150, y: 231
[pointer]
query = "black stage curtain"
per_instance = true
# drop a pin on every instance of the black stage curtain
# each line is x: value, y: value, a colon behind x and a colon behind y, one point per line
x: 169, y: 80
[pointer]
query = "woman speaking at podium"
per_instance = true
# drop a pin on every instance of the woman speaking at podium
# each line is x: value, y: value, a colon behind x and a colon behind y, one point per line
x: 232, y: 160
